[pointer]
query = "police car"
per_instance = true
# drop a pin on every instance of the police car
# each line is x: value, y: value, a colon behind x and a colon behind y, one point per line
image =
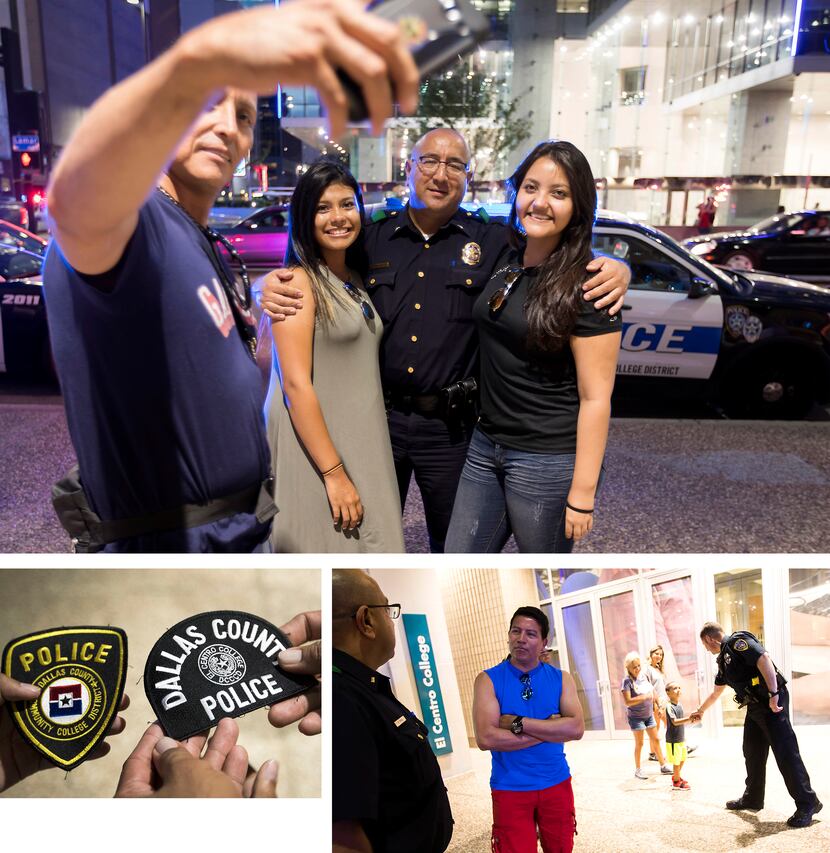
x: 757, y: 343
x: 24, y: 336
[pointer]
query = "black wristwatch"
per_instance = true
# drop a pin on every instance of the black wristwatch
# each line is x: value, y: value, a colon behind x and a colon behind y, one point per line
x: 773, y: 694
x: 516, y: 726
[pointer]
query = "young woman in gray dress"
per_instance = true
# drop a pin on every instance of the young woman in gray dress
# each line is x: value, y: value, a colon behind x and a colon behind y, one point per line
x: 335, y: 479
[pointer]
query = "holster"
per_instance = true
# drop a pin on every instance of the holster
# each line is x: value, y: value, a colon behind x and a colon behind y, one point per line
x: 90, y: 534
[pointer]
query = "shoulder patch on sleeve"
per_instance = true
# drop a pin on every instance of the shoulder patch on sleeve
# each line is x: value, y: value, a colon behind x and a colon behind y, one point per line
x: 379, y: 216
x: 741, y: 645
x: 483, y: 215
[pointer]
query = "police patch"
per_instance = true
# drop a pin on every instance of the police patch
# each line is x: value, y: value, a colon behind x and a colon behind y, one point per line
x: 81, y: 673
x: 740, y: 645
x: 214, y: 665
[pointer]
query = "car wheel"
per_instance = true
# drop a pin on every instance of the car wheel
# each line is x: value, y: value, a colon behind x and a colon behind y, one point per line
x: 774, y: 387
x: 739, y: 261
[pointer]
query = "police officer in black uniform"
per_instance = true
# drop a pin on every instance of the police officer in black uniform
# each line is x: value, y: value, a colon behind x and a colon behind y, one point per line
x: 428, y: 263
x: 745, y: 666
x: 388, y: 795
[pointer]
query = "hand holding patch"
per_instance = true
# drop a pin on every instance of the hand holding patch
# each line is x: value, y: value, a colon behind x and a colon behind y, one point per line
x: 72, y: 687
x: 161, y: 767
x: 305, y: 708
x: 216, y: 665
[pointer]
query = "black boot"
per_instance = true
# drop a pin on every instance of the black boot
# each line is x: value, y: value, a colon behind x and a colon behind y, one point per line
x: 804, y: 817
x: 743, y: 803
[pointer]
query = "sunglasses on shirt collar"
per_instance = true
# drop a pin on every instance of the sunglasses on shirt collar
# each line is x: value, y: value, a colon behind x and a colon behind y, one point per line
x: 498, y: 300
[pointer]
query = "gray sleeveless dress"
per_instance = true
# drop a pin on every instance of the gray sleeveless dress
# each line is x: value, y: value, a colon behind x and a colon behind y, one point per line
x: 346, y: 379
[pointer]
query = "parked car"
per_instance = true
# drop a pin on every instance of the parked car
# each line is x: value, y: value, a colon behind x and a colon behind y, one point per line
x: 791, y: 244
x: 17, y: 237
x: 14, y: 211
x: 24, y: 337
x: 260, y: 237
x: 756, y: 343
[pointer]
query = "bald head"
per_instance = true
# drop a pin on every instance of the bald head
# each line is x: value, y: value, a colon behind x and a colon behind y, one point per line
x: 361, y: 626
x: 440, y: 136
x: 350, y: 588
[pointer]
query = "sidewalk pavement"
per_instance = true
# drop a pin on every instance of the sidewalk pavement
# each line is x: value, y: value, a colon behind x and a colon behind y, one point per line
x: 617, y: 813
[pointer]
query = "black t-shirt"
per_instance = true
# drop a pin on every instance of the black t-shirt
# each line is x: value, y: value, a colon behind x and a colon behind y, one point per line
x: 675, y: 733
x: 385, y: 775
x: 529, y: 400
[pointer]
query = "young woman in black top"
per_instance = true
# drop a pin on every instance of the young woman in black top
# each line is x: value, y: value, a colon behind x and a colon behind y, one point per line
x: 548, y: 360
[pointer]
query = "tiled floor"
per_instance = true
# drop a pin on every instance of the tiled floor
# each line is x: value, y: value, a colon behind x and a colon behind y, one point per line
x: 617, y: 813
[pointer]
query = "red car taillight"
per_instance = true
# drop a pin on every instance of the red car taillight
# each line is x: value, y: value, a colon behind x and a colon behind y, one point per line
x: 24, y: 217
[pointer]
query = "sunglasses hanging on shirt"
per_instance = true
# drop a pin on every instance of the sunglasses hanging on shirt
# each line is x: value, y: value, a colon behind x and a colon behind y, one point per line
x: 238, y: 292
x: 498, y: 300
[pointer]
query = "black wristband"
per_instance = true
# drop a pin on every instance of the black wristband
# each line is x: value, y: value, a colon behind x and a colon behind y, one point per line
x: 774, y: 694
x: 576, y: 509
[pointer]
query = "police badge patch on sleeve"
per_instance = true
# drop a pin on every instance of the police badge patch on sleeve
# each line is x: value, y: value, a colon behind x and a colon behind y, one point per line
x: 214, y: 665
x: 81, y: 672
x: 741, y: 645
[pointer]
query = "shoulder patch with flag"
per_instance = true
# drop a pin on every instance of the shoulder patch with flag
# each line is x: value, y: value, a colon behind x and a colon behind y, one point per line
x: 81, y: 673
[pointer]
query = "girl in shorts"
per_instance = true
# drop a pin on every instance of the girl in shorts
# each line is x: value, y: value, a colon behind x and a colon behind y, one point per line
x: 638, y: 696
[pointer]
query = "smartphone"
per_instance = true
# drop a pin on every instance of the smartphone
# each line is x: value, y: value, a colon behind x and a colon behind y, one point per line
x: 439, y: 33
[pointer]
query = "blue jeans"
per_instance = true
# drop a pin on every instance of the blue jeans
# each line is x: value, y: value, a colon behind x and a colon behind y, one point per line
x: 504, y: 491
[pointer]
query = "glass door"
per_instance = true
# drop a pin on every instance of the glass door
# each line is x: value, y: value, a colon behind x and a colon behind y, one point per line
x: 620, y: 635
x: 600, y: 628
x: 580, y: 648
x: 675, y: 625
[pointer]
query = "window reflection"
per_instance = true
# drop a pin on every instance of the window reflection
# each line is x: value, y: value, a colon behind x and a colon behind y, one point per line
x: 810, y: 637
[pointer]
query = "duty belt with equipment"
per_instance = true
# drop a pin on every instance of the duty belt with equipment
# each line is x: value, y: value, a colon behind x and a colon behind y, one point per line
x: 90, y: 533
x: 456, y: 400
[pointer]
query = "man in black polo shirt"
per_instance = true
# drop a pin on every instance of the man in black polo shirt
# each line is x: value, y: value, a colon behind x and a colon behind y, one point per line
x: 745, y: 666
x: 428, y: 264
x: 387, y: 792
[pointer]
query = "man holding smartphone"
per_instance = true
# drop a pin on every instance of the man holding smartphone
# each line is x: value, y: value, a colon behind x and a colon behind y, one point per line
x: 427, y: 265
x: 150, y: 333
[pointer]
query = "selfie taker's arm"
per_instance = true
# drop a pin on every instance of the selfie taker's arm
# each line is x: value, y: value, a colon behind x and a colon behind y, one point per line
x: 129, y: 135
x: 596, y: 364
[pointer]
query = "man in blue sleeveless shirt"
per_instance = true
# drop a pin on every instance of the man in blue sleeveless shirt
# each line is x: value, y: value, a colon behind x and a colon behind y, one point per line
x: 151, y: 335
x: 523, y: 712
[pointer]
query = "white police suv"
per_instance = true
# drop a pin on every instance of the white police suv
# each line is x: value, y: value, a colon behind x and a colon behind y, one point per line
x: 757, y: 343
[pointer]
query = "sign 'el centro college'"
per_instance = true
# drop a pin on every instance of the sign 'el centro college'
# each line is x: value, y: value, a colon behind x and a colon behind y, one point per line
x: 424, y: 668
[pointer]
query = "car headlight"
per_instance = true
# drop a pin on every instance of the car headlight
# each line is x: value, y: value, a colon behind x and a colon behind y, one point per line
x: 704, y: 248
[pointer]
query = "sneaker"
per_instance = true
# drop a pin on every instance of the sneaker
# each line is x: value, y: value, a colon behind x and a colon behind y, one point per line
x: 690, y: 749
x: 652, y: 757
x: 666, y: 769
x: 680, y: 785
x: 641, y: 774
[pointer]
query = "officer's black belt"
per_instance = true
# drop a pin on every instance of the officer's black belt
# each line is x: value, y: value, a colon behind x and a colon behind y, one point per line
x: 421, y: 404
x: 90, y: 533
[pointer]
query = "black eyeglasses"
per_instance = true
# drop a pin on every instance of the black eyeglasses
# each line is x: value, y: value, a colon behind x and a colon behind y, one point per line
x: 361, y: 300
x: 394, y: 611
x: 497, y: 301
x: 527, y: 690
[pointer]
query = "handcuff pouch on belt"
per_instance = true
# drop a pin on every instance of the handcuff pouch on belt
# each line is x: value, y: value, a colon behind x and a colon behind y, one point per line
x: 89, y: 533
x: 755, y: 692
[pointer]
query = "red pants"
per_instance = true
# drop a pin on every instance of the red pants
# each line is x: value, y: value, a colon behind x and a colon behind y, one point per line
x: 516, y: 814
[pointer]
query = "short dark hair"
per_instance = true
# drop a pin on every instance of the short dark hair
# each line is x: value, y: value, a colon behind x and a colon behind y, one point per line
x: 533, y: 613
x: 711, y: 629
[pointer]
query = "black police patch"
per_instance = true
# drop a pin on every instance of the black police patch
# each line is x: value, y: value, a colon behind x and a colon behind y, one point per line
x: 215, y: 665
x: 81, y: 672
